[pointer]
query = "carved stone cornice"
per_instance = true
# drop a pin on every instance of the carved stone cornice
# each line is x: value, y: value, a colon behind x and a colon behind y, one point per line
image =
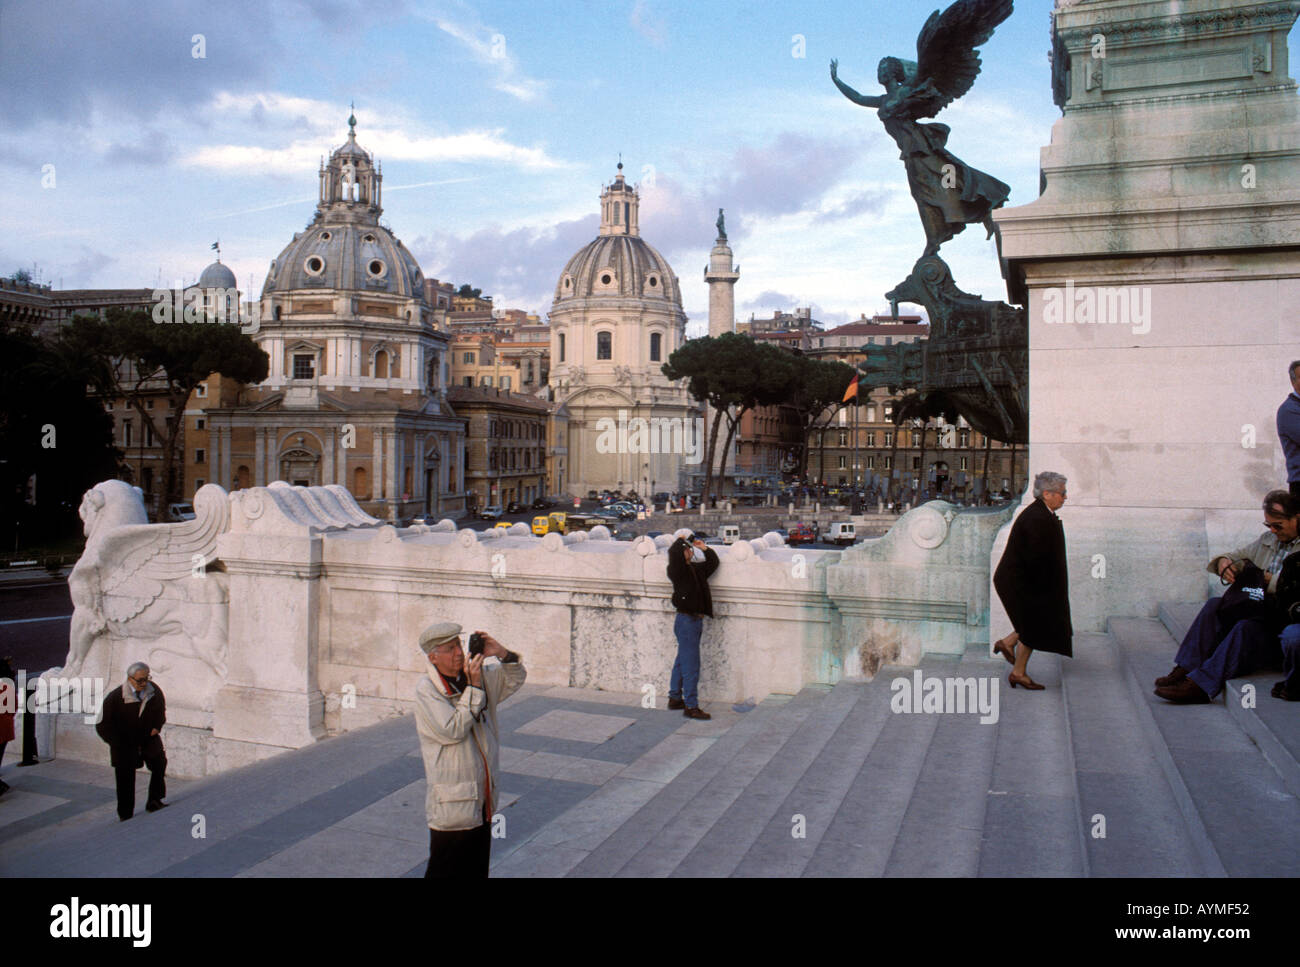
x: 1189, y: 25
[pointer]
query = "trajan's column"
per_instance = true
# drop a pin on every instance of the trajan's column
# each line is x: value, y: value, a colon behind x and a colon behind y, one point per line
x: 721, y: 275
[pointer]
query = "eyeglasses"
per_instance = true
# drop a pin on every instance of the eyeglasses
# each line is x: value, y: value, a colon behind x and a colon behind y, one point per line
x: 139, y: 682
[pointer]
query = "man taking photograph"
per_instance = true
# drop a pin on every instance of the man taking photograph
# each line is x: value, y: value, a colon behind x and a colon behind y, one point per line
x: 455, y: 714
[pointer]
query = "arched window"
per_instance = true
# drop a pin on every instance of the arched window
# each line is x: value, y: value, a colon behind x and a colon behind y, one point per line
x: 381, y: 365
x: 604, y: 345
x: 360, y: 489
x: 656, y: 344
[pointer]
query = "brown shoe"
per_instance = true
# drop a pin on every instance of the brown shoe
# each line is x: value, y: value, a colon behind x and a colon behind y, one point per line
x: 675, y: 704
x: 1186, y: 692
x: 1173, y: 678
x: 697, y: 713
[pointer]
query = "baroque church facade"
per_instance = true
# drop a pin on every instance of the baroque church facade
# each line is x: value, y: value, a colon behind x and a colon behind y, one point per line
x: 359, y: 369
x: 615, y: 319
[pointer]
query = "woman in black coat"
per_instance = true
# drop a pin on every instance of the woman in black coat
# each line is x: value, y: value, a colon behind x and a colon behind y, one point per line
x: 1032, y: 582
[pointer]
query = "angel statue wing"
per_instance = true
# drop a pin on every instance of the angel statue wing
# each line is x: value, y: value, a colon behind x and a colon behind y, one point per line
x: 144, y: 556
x: 947, y: 63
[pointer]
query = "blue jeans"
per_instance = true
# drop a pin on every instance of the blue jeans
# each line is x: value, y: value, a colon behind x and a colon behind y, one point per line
x: 1291, y: 657
x: 685, y: 680
x: 1250, y: 645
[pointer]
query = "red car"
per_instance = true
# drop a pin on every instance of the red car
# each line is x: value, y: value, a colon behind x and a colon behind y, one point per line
x: 801, y: 534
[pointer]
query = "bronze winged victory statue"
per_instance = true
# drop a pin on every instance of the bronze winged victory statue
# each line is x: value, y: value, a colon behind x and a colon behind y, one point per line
x: 949, y: 193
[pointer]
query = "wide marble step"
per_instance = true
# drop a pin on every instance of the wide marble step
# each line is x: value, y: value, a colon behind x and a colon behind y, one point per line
x: 1239, y: 808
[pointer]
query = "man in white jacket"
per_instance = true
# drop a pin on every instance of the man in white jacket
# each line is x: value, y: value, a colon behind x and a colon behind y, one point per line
x: 455, y: 713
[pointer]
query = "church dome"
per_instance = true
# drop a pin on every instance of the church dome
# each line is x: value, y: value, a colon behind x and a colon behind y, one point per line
x: 345, y: 256
x: 618, y: 262
x: 217, y: 276
x: 345, y: 247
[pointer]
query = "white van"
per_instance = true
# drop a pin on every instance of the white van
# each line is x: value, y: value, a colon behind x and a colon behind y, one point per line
x: 841, y: 533
x: 730, y: 533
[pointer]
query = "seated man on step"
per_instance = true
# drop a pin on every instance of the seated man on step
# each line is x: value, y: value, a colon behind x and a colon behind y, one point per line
x: 1205, y: 661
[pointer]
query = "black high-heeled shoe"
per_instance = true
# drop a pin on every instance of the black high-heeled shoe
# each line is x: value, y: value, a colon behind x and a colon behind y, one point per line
x: 1025, y: 682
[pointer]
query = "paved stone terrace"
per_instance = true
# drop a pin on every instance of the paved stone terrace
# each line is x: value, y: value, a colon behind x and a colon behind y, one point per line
x: 829, y: 782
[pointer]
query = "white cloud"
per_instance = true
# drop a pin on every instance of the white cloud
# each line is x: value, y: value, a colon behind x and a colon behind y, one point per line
x: 492, y: 49
x: 652, y: 27
x: 268, y: 116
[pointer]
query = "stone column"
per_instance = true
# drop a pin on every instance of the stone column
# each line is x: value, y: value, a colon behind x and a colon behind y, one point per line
x: 327, y: 458
x: 390, y: 464
x: 224, y: 479
x: 259, y: 457
x: 377, y: 464
x: 214, y: 454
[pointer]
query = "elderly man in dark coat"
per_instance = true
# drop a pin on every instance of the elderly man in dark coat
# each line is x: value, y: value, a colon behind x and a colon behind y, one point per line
x: 1033, y: 583
x: 131, y: 723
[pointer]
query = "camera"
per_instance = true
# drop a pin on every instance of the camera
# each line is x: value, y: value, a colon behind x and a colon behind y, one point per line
x: 476, y: 644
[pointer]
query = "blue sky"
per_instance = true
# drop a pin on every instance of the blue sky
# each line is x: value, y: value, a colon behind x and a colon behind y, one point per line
x: 496, y: 124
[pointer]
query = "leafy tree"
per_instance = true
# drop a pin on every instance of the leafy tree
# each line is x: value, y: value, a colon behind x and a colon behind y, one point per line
x: 22, y: 275
x: 132, y: 357
x: 50, y: 430
x: 733, y: 374
x: 817, y: 395
x: 469, y: 293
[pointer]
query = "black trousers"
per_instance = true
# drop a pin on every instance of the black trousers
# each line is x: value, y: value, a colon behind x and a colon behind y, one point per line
x: 459, y: 854
x: 1295, y: 489
x: 157, y: 765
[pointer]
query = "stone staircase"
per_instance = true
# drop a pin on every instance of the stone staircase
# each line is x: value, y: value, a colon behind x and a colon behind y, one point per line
x: 1093, y: 777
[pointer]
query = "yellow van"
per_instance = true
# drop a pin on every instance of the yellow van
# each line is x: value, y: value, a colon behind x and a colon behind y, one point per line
x: 558, y: 522
x: 540, y: 525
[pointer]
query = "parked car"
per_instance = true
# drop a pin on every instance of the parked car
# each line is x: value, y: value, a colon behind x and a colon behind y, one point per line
x: 730, y: 533
x: 543, y: 503
x: 491, y: 512
x: 801, y: 534
x: 179, y: 511
x: 514, y: 507
x: 661, y: 497
x: 558, y: 522
x: 592, y: 495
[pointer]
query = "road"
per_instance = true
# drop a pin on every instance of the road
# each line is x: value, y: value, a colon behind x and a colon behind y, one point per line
x: 34, y: 620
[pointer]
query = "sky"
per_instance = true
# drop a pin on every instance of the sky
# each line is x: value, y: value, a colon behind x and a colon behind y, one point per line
x: 497, y: 124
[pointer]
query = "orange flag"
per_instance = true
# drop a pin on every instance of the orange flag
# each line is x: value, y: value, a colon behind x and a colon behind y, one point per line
x: 852, y: 391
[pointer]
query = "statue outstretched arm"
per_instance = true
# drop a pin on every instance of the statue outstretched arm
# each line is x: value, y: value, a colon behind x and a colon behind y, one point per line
x: 864, y: 99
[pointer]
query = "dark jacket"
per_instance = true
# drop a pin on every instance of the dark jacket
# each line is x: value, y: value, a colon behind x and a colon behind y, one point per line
x: 1288, y: 432
x: 1033, y: 583
x: 125, y: 726
x: 691, y: 581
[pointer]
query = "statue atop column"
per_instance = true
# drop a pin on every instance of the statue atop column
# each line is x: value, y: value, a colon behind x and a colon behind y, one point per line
x: 722, y: 226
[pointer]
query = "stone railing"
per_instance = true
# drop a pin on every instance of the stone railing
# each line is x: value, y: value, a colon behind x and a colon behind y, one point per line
x: 323, y: 605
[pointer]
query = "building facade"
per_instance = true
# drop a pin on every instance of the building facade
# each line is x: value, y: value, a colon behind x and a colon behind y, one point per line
x: 615, y: 319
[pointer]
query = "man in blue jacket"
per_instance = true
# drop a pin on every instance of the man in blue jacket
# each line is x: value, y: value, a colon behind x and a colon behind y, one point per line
x: 1288, y: 429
